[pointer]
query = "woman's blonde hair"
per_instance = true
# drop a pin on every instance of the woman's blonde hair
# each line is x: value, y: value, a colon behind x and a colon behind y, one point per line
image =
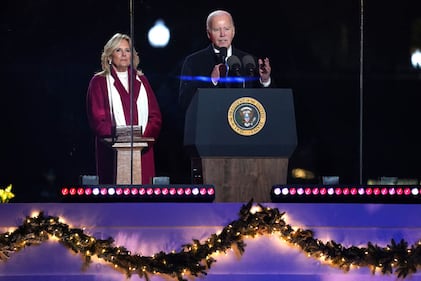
x: 109, y: 48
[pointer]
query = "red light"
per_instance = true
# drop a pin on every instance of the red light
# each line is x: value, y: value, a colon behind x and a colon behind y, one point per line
x: 126, y: 191
x: 369, y: 191
x: 72, y: 191
x: 80, y: 191
x: 354, y: 191
x: 173, y: 191
x: 104, y: 191
x: 119, y: 191
x: 384, y: 191
x: 323, y: 191
x: 338, y: 191
x: 211, y: 191
x: 180, y: 191
x: 134, y: 191
x: 376, y: 191
x: 346, y: 191
x: 399, y: 191
x: 142, y: 191
x: 407, y: 191
x: 157, y: 191
x: 202, y: 191
x: 149, y: 191
x: 292, y: 191
x: 64, y: 191
x: 307, y: 190
x: 165, y: 191
x: 188, y: 191
x: 88, y: 191
x: 315, y: 191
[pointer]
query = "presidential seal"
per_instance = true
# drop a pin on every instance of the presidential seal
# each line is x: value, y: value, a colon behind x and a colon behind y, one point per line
x: 246, y: 116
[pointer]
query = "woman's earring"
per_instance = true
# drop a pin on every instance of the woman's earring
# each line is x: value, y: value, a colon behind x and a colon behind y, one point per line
x: 109, y: 61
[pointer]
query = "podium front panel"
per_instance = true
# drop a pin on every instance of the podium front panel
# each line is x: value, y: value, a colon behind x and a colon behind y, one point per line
x: 210, y: 124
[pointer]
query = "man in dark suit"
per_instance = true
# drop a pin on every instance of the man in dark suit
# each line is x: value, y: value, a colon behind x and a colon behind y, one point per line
x: 217, y: 66
x: 206, y: 68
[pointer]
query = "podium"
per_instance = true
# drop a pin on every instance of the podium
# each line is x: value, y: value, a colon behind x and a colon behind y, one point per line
x: 128, y: 166
x: 243, y: 139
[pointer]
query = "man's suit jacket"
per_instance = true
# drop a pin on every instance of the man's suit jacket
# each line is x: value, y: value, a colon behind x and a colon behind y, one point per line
x: 196, y: 71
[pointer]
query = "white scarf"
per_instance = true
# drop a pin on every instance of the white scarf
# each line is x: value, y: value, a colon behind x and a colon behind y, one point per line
x: 116, y: 106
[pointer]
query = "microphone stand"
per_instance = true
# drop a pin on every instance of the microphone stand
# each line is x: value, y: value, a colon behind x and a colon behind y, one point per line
x: 361, y: 89
x: 131, y: 10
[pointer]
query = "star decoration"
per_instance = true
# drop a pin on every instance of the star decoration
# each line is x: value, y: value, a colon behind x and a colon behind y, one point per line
x: 6, y: 194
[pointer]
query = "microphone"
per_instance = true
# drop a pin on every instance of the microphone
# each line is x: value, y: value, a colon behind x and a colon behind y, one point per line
x: 223, y: 53
x: 221, y: 56
x: 234, y: 65
x: 249, y: 65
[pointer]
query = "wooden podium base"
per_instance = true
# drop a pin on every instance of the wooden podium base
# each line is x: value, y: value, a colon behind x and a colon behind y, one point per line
x: 242, y: 179
x: 123, y: 173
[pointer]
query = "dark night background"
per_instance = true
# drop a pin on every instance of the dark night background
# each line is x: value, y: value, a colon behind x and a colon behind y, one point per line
x: 51, y: 49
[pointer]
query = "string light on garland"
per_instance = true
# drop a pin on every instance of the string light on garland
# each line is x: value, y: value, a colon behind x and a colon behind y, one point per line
x: 197, y: 258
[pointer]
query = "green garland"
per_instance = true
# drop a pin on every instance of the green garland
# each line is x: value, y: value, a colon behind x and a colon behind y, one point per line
x: 196, y: 258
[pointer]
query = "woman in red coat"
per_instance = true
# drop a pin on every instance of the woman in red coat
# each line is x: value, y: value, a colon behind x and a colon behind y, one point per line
x: 108, y: 106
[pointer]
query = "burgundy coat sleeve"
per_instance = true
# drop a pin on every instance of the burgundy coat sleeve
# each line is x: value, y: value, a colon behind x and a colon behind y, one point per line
x: 98, y: 107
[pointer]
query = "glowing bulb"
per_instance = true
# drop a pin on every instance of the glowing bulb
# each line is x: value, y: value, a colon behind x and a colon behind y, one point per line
x: 255, y: 209
x: 195, y: 191
x: 159, y: 34
x: 111, y: 191
x: 134, y: 191
x: 416, y: 59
